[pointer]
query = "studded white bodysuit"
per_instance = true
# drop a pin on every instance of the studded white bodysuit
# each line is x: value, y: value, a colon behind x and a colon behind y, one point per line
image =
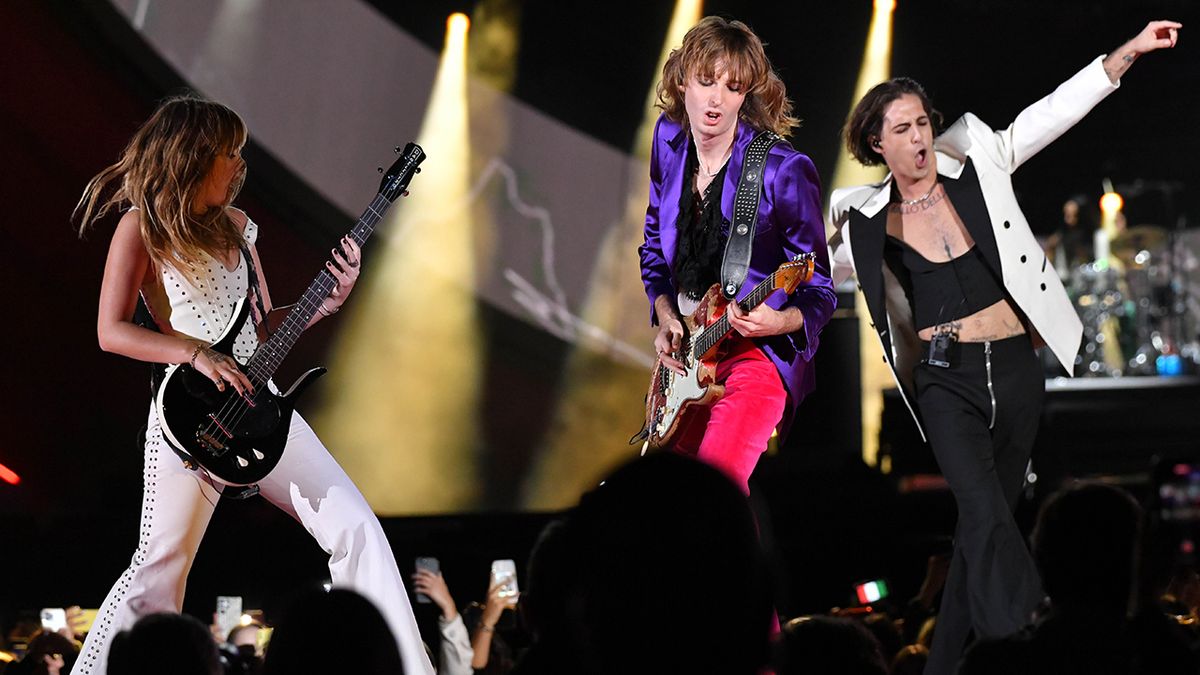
x: 177, y: 503
x: 204, y: 308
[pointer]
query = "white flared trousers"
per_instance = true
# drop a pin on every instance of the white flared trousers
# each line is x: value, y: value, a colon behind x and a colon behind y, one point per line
x: 308, y: 485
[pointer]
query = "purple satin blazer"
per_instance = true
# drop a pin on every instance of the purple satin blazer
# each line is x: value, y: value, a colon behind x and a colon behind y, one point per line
x: 789, y: 222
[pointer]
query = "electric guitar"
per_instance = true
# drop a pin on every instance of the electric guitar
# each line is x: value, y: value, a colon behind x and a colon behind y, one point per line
x: 238, y: 441
x: 674, y: 398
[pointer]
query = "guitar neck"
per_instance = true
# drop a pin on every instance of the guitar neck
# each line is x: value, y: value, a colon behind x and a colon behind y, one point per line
x: 720, y: 329
x: 271, y: 353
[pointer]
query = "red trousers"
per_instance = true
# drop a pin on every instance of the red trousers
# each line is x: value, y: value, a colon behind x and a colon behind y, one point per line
x: 732, y: 433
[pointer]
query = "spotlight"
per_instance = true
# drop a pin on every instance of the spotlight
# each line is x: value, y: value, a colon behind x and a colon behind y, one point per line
x: 418, y: 295
x: 1111, y: 202
x: 8, y: 475
x: 458, y: 23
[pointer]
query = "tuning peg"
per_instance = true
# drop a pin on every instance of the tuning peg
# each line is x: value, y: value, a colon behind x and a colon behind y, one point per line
x: 418, y: 170
x: 396, y: 149
x: 404, y: 194
x: 379, y: 169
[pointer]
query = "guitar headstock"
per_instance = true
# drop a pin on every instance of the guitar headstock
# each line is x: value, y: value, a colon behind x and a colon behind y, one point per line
x: 798, y: 270
x: 395, y: 180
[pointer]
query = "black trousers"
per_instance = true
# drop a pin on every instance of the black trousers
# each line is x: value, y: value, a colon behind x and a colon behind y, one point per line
x: 981, y: 416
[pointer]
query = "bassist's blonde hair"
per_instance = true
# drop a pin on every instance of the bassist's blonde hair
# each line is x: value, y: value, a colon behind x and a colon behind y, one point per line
x: 162, y: 173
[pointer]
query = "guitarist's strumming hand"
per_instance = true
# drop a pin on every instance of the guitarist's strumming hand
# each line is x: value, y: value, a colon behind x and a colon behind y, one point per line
x: 670, y: 334
x: 764, y: 320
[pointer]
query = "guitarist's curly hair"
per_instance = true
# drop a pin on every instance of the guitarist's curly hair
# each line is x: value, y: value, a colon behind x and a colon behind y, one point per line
x: 161, y: 172
x: 732, y: 44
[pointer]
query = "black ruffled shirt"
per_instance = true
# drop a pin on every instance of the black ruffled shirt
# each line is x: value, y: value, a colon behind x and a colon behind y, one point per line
x: 703, y: 231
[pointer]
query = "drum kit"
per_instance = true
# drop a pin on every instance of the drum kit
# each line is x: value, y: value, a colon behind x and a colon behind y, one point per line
x: 1140, y: 305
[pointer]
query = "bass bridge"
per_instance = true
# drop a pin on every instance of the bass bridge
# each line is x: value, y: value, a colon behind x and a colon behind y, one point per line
x: 211, y: 439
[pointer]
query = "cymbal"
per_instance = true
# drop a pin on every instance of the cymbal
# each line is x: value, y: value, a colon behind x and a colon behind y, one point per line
x: 1126, y: 245
x: 1140, y: 238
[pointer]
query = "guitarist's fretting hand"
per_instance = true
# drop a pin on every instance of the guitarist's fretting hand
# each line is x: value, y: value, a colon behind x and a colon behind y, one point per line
x: 670, y: 334
x: 764, y: 320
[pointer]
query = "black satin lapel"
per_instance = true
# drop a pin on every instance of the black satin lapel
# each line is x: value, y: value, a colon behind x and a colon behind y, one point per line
x: 866, y: 242
x: 967, y: 197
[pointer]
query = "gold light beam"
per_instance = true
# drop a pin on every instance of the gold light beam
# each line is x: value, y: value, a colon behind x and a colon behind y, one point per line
x: 495, y: 42
x: 492, y: 65
x: 403, y: 417
x: 601, y: 405
x: 876, y: 67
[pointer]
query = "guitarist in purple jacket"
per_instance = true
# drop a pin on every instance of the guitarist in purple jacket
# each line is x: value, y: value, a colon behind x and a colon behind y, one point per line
x: 718, y: 91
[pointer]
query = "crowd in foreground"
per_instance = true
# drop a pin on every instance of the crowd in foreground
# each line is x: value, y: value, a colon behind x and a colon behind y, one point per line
x: 613, y: 587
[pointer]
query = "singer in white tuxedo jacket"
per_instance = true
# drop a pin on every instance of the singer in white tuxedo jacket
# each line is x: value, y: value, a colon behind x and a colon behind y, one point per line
x: 960, y: 294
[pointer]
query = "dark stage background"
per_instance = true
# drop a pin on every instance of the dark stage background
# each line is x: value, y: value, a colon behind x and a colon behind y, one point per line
x: 71, y: 413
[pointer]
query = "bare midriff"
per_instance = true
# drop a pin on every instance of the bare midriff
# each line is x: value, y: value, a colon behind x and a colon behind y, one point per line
x: 934, y: 229
x: 992, y: 323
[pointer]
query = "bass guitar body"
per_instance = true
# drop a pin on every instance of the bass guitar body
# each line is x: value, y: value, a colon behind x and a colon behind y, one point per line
x: 237, y: 440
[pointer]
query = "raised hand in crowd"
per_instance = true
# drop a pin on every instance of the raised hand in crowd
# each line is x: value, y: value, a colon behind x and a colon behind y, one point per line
x: 493, y: 608
x: 434, y: 585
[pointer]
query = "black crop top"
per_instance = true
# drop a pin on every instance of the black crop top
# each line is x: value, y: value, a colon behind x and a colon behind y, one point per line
x: 945, y: 291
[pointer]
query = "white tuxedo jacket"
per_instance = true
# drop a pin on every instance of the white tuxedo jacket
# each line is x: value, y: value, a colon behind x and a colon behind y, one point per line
x: 977, y: 163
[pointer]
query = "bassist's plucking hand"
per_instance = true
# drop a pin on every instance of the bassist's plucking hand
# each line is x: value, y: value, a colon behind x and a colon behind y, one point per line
x: 221, y: 369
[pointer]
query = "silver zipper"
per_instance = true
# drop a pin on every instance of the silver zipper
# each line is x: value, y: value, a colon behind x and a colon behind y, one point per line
x: 987, y: 357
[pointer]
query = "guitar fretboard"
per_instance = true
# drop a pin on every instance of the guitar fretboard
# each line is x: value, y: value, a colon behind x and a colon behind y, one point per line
x: 272, y: 352
x: 715, y: 332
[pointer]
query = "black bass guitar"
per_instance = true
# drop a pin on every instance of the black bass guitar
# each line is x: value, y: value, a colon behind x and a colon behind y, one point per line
x: 238, y: 441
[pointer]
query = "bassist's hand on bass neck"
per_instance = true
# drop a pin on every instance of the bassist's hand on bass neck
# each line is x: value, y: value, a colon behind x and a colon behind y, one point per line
x: 344, y: 266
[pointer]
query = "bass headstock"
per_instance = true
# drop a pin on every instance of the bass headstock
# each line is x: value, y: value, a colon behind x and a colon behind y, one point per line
x: 395, y: 180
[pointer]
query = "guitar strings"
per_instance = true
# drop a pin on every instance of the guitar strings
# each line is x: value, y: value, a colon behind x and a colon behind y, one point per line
x: 723, y: 322
x: 236, y: 406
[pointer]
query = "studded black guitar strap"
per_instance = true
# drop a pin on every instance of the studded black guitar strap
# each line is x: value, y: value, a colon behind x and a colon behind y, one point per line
x: 736, y: 262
